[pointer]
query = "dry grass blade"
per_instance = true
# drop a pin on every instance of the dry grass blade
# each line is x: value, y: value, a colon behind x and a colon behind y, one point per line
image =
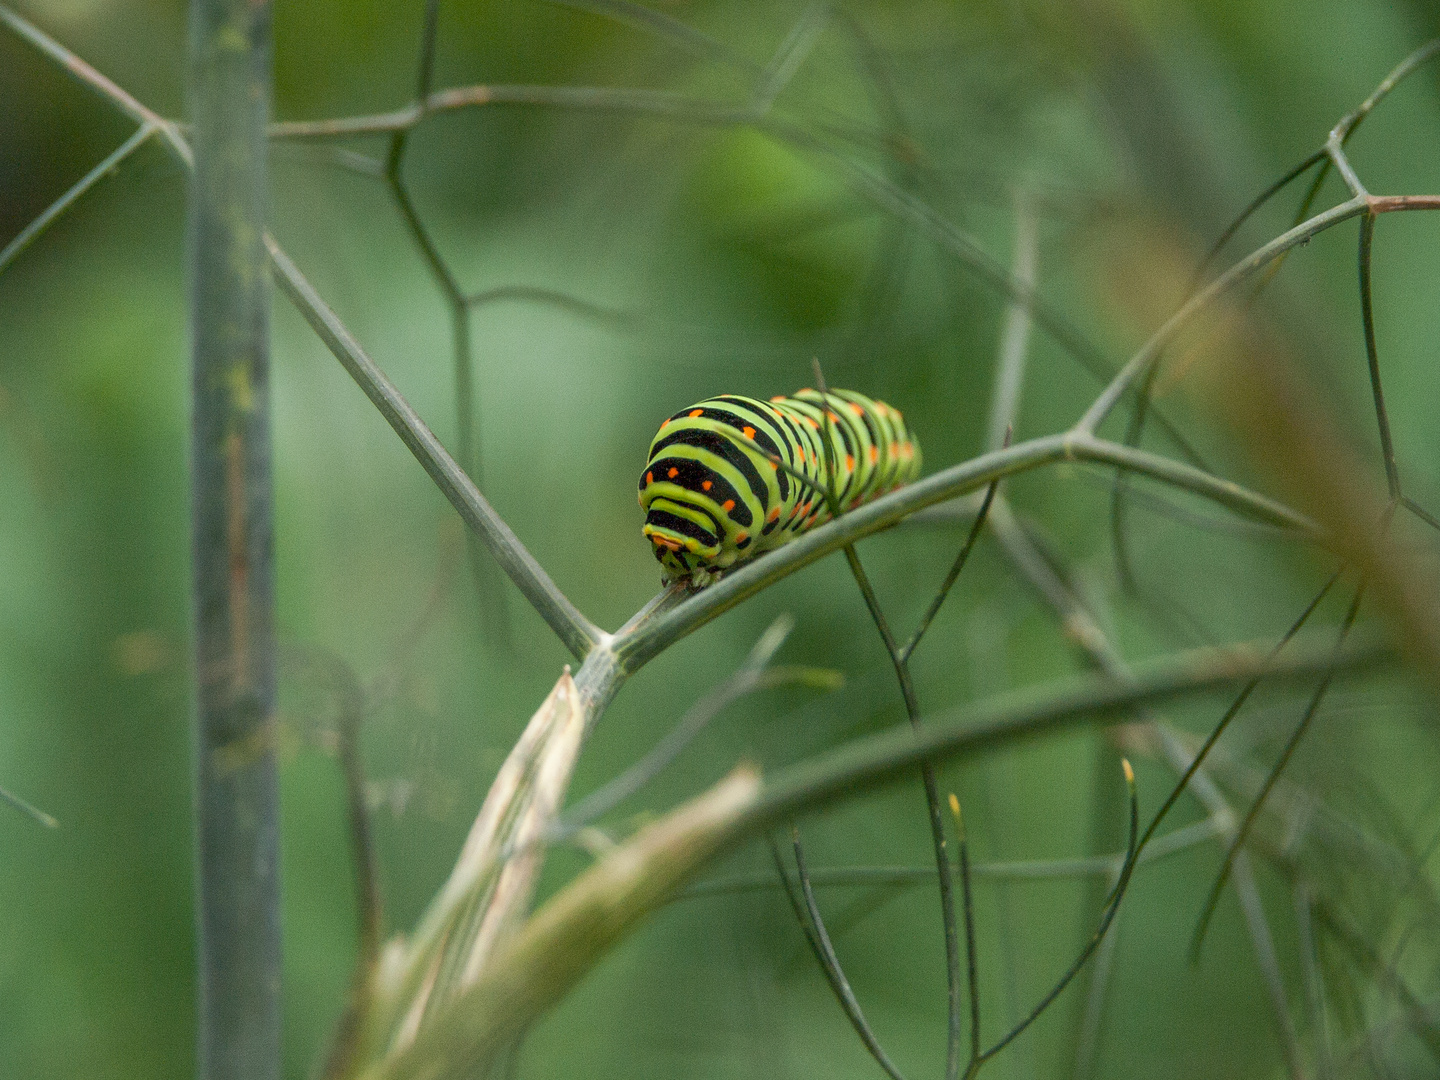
x: 488, y: 893
x: 567, y: 936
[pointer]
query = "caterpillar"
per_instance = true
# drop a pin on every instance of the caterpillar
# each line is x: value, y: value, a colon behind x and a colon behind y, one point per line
x: 712, y: 500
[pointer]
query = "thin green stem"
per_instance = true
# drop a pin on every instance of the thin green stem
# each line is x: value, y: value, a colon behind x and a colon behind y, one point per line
x: 637, y: 647
x: 351, y: 707
x: 1235, y: 706
x: 578, y: 633
x: 1015, y: 338
x: 790, y: 55
x: 754, y: 674
x: 1372, y: 358
x: 15, y: 802
x: 1352, y: 120
x: 825, y: 955
x: 1302, y: 231
x: 667, y: 27
x: 1121, y: 487
x: 27, y: 235
x: 958, y: 565
x: 1020, y: 717
x: 1112, y: 908
x: 1257, y: 260
x: 972, y: 955
x: 927, y: 770
x: 1242, y: 833
x: 1255, y: 205
x: 1004, y: 873
x: 1420, y: 512
x: 87, y: 76
x: 467, y: 450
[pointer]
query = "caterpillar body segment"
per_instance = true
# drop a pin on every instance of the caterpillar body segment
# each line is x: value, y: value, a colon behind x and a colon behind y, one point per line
x: 713, y: 500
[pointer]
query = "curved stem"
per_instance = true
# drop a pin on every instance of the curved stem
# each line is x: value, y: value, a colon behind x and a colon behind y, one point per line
x: 639, y: 646
x: 1372, y: 358
x: 824, y: 950
x: 1255, y: 261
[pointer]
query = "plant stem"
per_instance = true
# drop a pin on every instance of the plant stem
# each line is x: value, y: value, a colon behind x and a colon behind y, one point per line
x: 237, y: 804
x: 577, y: 632
x: 635, y: 647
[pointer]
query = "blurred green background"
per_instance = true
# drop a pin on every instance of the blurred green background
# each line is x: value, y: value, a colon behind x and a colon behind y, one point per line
x: 722, y: 262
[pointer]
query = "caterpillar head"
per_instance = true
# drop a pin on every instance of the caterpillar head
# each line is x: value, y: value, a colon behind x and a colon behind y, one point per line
x: 683, y: 547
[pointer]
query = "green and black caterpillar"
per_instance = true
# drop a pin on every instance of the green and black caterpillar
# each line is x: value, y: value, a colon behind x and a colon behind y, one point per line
x: 712, y: 500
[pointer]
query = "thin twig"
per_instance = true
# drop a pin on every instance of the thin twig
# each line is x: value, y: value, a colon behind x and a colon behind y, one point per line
x: 825, y: 954
x: 927, y: 771
x: 1268, y: 960
x: 1420, y: 512
x: 790, y: 55
x: 89, y: 77
x: 1267, y: 254
x: 1314, y: 981
x: 15, y: 802
x: 755, y: 674
x: 578, y: 633
x: 1087, y: 1039
x: 1230, y: 713
x: 1372, y: 358
x: 1256, y: 261
x: 1006, y: 873
x: 1117, y: 894
x: 639, y: 646
x: 972, y: 968
x: 958, y: 565
x: 467, y: 447
x: 1254, y: 206
x: 667, y: 27
x: 1243, y: 831
x: 536, y: 294
x: 1015, y: 338
x: 27, y: 235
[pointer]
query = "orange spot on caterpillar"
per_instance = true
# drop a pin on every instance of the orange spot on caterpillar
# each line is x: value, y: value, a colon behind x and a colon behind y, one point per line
x: 774, y: 515
x: 833, y: 418
x: 778, y: 397
x: 850, y: 461
x: 649, y: 478
x: 728, y: 505
x: 664, y: 423
x: 805, y: 390
x: 674, y: 472
x: 748, y: 432
x: 813, y: 422
x: 856, y: 409
x: 705, y: 484
x: 874, y: 454
x: 666, y: 542
x: 740, y: 538
x: 696, y: 412
x: 775, y: 466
